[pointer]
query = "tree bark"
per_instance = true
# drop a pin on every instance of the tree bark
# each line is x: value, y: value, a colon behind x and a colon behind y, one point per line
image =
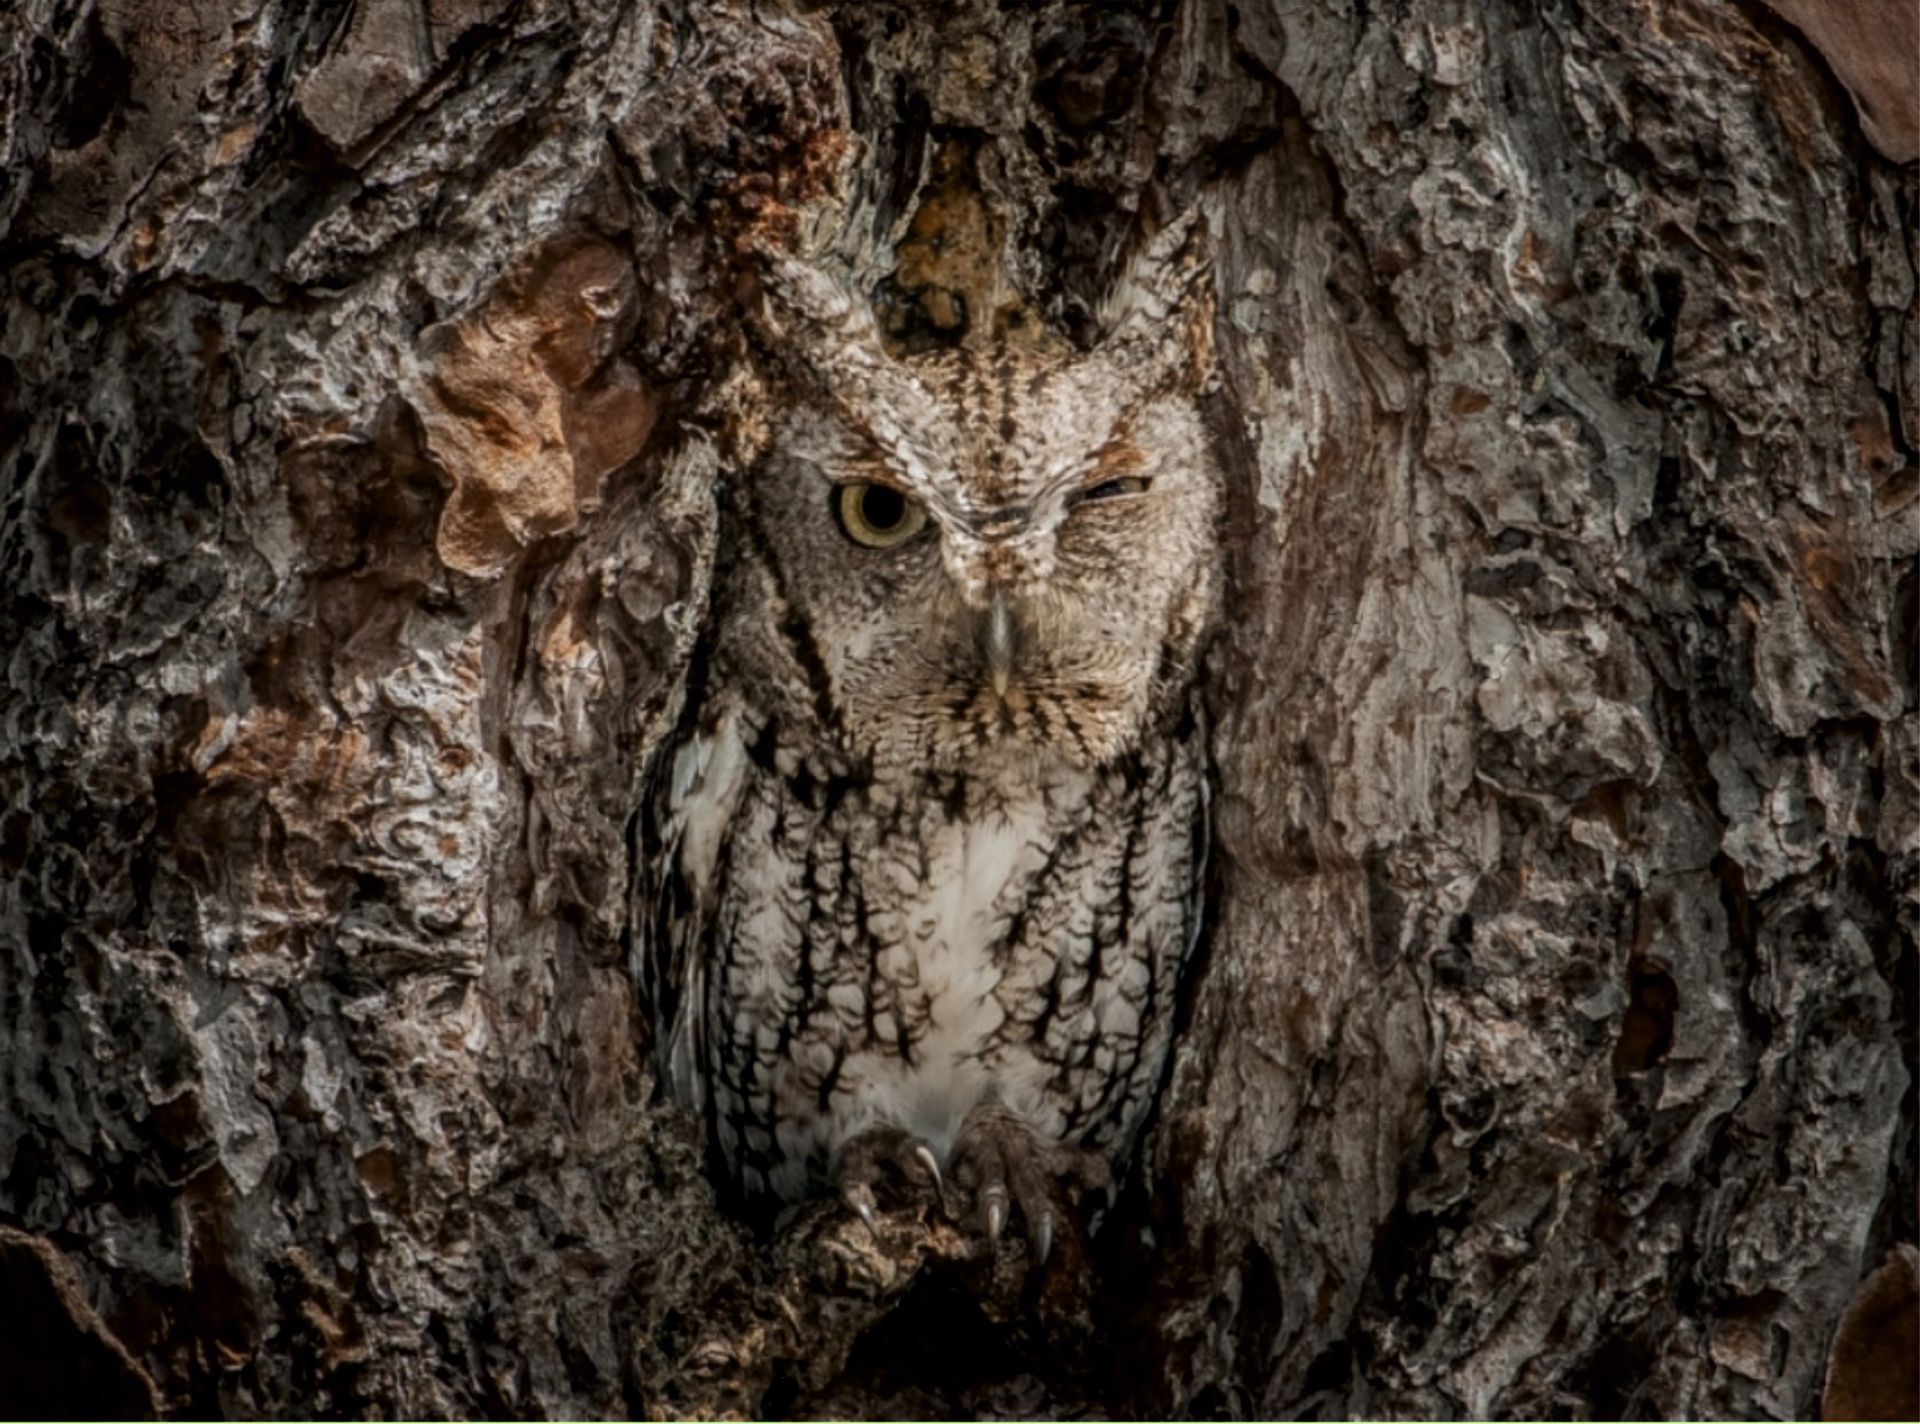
x: 365, y: 374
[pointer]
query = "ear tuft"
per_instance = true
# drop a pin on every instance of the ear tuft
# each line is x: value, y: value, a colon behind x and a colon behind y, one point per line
x: 809, y: 320
x: 1159, y: 314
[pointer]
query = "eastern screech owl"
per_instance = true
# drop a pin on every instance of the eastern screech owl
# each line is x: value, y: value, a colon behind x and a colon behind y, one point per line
x: 921, y: 866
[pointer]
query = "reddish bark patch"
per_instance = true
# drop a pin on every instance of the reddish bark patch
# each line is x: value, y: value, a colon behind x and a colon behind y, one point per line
x: 1873, y: 1371
x: 527, y: 404
x: 1870, y: 46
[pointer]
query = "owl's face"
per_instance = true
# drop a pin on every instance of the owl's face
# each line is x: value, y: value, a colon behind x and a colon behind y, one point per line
x: 984, y: 555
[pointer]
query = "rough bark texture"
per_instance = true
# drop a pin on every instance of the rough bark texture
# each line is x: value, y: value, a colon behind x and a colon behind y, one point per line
x: 364, y: 374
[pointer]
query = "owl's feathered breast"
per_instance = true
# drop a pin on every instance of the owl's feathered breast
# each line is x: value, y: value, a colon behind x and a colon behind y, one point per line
x: 843, y: 953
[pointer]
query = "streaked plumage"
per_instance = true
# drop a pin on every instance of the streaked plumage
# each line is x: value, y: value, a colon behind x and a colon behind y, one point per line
x: 931, y: 834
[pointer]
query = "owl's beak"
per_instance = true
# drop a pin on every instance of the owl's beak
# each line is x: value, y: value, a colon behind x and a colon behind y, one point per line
x: 998, y: 643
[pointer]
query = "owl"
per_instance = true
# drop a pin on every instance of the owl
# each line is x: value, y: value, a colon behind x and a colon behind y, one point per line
x: 921, y: 866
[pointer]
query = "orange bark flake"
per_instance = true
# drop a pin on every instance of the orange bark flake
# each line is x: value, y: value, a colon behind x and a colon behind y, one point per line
x: 528, y: 404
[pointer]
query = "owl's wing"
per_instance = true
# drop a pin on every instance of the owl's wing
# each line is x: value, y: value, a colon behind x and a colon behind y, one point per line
x: 669, y: 921
x: 663, y: 925
x: 695, y: 784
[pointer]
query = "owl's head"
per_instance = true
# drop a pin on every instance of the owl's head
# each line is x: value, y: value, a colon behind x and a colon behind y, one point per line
x: 984, y: 554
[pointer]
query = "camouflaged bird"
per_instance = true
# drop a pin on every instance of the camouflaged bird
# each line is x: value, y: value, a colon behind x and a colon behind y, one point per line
x: 922, y: 864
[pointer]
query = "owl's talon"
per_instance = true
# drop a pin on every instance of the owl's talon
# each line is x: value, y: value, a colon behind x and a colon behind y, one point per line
x: 995, y: 1200
x: 1006, y: 1168
x: 859, y: 1199
x: 887, y: 1158
x: 923, y: 1154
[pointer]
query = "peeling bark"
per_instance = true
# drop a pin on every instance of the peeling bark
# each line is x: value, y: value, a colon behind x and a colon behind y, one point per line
x: 365, y: 375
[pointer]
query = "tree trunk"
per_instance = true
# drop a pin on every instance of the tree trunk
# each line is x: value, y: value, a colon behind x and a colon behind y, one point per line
x: 365, y: 373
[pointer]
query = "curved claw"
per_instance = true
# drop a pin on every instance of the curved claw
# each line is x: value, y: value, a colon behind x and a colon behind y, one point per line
x: 1043, y: 1238
x: 996, y: 1204
x: 859, y: 1200
x: 923, y: 1154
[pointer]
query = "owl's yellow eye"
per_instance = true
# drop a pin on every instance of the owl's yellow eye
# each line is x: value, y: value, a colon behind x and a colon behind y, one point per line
x: 876, y: 515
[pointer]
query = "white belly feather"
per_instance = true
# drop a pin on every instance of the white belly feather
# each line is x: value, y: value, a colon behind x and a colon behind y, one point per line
x: 955, y: 919
x: 937, y: 895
